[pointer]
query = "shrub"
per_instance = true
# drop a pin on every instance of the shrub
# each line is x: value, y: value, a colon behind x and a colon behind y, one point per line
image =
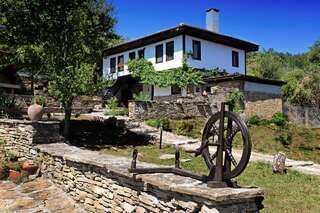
x: 7, y: 101
x: 10, y: 156
x: 254, y: 120
x: 117, y: 112
x: 40, y: 100
x: 112, y: 103
x: 156, y: 123
x: 141, y: 96
x: 279, y: 119
x: 284, y: 139
x: 184, y: 128
x: 236, y: 100
x: 14, y: 166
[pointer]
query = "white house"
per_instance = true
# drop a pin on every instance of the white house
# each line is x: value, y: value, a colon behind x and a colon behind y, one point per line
x: 208, y: 48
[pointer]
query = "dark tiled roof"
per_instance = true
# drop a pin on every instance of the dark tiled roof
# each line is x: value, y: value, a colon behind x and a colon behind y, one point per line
x: 231, y: 77
x: 187, y: 30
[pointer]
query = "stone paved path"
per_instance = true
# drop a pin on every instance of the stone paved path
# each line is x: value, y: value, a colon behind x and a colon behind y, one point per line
x: 39, y: 195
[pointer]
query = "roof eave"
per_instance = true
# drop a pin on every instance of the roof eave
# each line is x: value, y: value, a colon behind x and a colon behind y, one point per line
x: 183, y: 29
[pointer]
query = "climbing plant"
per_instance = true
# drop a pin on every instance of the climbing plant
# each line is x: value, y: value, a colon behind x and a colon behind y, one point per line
x: 181, y: 76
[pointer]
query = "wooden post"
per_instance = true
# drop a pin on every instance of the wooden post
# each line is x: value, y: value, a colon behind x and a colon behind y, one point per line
x: 177, y: 158
x: 161, y: 129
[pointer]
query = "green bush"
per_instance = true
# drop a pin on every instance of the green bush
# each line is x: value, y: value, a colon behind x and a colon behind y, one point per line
x: 40, y: 100
x: 236, y: 100
x: 156, y: 123
x: 14, y: 166
x: 117, y: 112
x: 112, y: 103
x: 7, y: 101
x: 254, y: 120
x: 10, y: 156
x: 284, y: 139
x: 279, y: 119
x: 184, y: 128
x: 141, y: 96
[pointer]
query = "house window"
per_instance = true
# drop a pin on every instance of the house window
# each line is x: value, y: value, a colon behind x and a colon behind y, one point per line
x: 132, y: 55
x: 169, y: 51
x: 235, y: 59
x: 141, y: 53
x: 120, y: 63
x: 113, y: 65
x: 159, y: 53
x: 196, y: 50
x: 175, y: 90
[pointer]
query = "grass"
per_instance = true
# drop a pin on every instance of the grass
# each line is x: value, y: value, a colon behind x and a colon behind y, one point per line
x: 293, y: 192
x: 299, y: 143
x: 188, y: 127
x: 304, y: 142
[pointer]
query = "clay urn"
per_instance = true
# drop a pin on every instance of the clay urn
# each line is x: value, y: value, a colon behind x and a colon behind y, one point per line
x: 14, y: 176
x: 29, y: 167
x: 35, y: 112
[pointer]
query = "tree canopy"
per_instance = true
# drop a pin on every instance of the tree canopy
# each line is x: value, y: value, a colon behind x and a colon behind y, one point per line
x: 65, y: 37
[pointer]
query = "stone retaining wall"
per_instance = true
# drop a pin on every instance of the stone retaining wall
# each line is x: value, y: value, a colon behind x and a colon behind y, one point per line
x: 81, y: 104
x: 22, y: 136
x: 262, y: 104
x: 102, y: 182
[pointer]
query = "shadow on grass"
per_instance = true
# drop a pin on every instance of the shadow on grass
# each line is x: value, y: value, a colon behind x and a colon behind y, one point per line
x: 96, y: 135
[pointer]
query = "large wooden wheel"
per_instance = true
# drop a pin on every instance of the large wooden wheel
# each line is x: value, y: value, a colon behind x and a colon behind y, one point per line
x: 235, y: 133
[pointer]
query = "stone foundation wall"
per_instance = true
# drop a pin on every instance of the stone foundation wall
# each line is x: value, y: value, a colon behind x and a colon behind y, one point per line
x: 102, y: 183
x: 22, y: 136
x: 262, y: 104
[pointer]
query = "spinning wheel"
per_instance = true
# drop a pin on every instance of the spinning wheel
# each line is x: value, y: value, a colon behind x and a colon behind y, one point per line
x: 233, y: 130
x: 223, y: 131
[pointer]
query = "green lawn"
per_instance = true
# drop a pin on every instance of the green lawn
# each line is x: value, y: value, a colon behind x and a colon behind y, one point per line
x: 299, y: 143
x: 293, y: 192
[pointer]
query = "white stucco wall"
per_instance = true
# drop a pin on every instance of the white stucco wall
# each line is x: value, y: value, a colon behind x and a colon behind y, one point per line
x: 149, y: 54
x: 215, y: 55
x: 162, y: 91
x: 259, y: 87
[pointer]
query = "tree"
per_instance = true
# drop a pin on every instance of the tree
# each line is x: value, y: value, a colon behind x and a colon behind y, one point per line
x: 71, y: 34
x: 265, y: 64
x: 314, y: 53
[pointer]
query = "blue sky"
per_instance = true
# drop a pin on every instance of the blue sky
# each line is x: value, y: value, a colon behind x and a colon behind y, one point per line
x: 287, y: 26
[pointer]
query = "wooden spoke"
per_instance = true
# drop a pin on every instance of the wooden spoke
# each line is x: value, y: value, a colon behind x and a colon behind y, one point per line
x: 213, y: 156
x: 232, y: 134
x: 233, y: 160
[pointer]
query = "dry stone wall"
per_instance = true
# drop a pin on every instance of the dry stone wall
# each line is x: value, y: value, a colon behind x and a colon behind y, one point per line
x: 102, y: 182
x: 21, y: 136
x: 262, y: 104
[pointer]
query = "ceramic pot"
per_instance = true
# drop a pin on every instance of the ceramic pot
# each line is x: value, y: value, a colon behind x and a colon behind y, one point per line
x: 35, y: 112
x: 14, y: 176
x: 29, y: 167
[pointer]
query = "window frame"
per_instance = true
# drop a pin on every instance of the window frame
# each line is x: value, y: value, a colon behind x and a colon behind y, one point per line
x: 120, y: 67
x: 134, y: 55
x: 172, y: 57
x: 139, y: 53
x: 113, y: 68
x: 235, y: 58
x: 198, y: 57
x: 159, y: 53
